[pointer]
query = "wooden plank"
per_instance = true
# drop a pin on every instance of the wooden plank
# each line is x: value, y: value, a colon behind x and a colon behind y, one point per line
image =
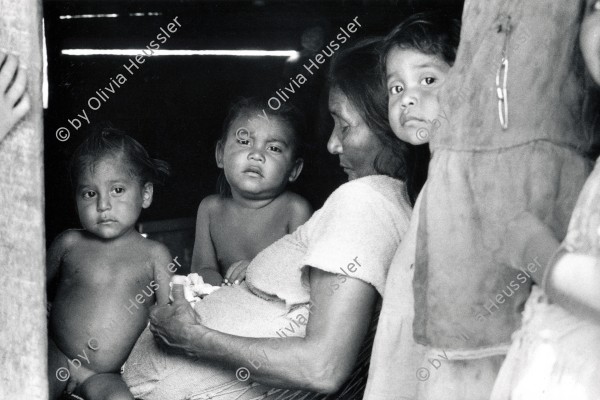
x: 23, y: 339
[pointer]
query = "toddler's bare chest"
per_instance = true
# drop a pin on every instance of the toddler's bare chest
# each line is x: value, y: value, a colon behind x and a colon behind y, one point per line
x: 102, y: 268
x: 242, y: 238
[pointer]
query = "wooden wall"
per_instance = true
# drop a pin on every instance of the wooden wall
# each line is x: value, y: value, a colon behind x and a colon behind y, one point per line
x: 22, y: 248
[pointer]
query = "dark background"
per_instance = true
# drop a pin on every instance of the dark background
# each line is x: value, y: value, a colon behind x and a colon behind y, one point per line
x: 175, y: 105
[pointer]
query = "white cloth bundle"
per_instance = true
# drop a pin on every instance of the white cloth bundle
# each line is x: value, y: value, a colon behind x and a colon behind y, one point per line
x: 194, y: 288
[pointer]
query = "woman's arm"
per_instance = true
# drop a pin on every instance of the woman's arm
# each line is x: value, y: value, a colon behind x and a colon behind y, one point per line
x: 340, y: 314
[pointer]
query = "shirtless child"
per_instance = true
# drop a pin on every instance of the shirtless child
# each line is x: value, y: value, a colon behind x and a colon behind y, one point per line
x: 259, y: 155
x: 106, y: 275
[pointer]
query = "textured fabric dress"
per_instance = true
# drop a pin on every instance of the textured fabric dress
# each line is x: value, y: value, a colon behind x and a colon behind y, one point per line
x: 355, y: 234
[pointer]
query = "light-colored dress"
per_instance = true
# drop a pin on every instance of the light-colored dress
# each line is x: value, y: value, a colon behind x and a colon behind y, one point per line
x: 396, y: 356
x: 355, y: 234
x: 556, y: 355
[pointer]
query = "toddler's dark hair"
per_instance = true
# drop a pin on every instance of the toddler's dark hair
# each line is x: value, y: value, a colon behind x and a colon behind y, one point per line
x: 110, y: 142
x: 435, y: 33
x: 259, y: 107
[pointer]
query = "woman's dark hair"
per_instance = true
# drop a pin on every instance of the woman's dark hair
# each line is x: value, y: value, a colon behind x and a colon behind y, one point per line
x: 356, y: 72
x: 435, y: 33
x: 110, y: 142
x: 260, y: 108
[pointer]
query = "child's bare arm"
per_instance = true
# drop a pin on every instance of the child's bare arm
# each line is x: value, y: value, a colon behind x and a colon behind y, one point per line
x: 162, y: 273
x: 301, y: 211
x: 55, y: 254
x: 14, y: 101
x: 573, y: 282
x: 54, y: 258
x: 569, y: 279
x: 204, y: 258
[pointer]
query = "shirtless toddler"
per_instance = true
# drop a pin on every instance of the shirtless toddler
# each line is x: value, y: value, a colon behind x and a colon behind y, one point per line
x: 106, y: 275
x: 259, y: 155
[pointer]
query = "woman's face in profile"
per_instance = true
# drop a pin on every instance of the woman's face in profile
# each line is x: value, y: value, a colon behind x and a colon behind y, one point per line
x: 352, y: 140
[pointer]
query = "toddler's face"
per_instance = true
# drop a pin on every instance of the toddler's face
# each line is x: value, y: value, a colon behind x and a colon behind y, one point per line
x: 259, y: 160
x: 109, y: 200
x: 589, y: 38
x: 413, y: 82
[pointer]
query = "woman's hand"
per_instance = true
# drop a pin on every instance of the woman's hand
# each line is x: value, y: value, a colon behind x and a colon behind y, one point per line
x: 171, y: 323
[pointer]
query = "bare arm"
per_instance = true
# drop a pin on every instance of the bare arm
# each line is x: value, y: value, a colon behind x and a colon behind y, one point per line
x: 162, y: 274
x: 540, y: 247
x: 320, y: 362
x: 54, y: 256
x: 301, y: 212
x: 571, y: 280
x: 53, y: 261
x: 204, y: 258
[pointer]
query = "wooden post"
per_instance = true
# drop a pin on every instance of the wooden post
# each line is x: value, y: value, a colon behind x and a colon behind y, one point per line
x: 23, y: 337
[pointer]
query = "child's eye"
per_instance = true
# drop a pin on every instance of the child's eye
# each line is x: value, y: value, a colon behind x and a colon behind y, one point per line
x: 89, y: 194
x: 396, y: 89
x: 119, y: 190
x: 275, y: 149
x: 243, y: 142
x: 428, y: 81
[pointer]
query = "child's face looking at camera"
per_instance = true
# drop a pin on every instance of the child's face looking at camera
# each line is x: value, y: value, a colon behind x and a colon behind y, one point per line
x: 589, y: 38
x: 258, y: 156
x: 413, y: 82
x: 109, y: 200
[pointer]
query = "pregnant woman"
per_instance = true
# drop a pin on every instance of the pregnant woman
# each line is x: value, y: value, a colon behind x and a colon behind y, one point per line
x: 299, y: 319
